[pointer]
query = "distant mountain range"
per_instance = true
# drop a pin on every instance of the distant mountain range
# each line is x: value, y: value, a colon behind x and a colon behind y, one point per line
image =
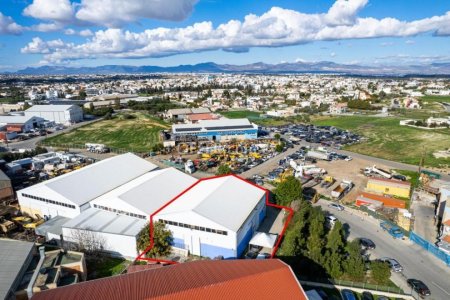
x: 256, y: 68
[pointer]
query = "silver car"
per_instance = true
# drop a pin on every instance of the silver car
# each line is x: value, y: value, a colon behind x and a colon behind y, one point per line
x: 393, y: 264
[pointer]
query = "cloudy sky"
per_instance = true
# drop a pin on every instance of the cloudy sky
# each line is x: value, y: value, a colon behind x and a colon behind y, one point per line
x: 172, y: 32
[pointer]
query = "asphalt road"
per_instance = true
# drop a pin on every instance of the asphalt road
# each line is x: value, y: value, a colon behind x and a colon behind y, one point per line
x: 417, y: 263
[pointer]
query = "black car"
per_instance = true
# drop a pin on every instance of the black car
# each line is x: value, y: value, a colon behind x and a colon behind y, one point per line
x: 367, y: 244
x: 367, y: 296
x: 419, y: 287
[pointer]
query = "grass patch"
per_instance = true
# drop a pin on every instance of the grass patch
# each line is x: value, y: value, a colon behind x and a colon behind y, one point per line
x: 388, y: 140
x: 411, y: 176
x: 239, y: 114
x: 137, y: 134
x: 430, y: 98
x: 105, y: 267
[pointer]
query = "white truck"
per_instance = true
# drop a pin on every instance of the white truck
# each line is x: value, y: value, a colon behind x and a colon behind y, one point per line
x: 318, y: 155
x: 369, y: 171
x: 343, y: 188
x: 96, y: 148
x: 189, y: 167
x: 301, y: 171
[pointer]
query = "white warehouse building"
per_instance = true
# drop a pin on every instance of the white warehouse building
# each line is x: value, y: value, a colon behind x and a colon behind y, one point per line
x: 216, y: 216
x: 113, y: 199
x: 69, y: 194
x: 62, y: 114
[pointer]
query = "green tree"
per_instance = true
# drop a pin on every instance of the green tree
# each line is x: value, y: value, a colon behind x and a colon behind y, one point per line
x: 117, y: 103
x: 26, y: 105
x: 82, y: 94
x: 162, y: 240
x: 354, y: 264
x: 279, y: 148
x: 288, y: 190
x: 158, y: 147
x: 224, y: 169
x: 277, y: 136
x: 380, y: 272
x: 333, y: 264
x: 335, y: 239
x: 315, y: 243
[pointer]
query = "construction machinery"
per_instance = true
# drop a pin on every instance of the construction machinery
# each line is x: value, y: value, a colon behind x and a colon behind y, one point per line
x: 343, y: 188
x: 301, y: 171
x: 27, y: 222
x: 369, y: 171
x: 6, y: 226
x: 327, y: 182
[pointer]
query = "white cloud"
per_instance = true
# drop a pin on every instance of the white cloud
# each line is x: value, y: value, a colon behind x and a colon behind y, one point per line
x: 109, y: 13
x: 85, y: 32
x: 8, y: 26
x: 333, y: 54
x: 276, y: 27
x: 37, y: 45
x: 61, y: 11
x: 410, y: 42
x: 386, y: 44
x: 46, y: 27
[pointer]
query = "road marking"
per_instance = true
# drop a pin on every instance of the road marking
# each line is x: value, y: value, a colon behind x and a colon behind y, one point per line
x: 440, y: 288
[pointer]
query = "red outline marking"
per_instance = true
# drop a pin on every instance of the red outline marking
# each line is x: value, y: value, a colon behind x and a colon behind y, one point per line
x: 275, y: 249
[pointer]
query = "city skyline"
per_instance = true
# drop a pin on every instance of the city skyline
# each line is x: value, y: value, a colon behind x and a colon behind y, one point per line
x: 91, y: 33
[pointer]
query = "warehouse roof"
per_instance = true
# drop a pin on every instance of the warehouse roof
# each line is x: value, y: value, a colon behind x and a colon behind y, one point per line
x: 13, y: 255
x: 219, y: 279
x: 90, y: 182
x: 221, y: 124
x: 17, y: 119
x: 227, y: 201
x: 151, y: 191
x: 53, y: 226
x: 391, y: 182
x: 50, y: 107
x: 106, y: 222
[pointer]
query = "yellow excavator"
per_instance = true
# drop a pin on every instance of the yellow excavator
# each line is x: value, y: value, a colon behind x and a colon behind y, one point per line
x: 27, y: 222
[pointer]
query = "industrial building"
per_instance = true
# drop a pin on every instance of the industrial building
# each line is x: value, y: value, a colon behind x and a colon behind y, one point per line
x: 216, y: 130
x: 19, y: 123
x: 215, y: 217
x: 390, y: 187
x: 68, y: 195
x: 205, y: 279
x: 6, y: 190
x: 61, y: 114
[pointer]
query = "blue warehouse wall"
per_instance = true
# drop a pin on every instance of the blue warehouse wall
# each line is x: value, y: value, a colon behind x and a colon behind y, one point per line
x: 244, y: 242
x: 179, y: 243
x: 213, y: 251
x: 262, y: 215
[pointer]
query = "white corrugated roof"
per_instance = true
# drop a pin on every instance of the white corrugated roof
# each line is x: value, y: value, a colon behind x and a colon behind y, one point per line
x: 16, y: 119
x: 50, y: 107
x: 151, y: 191
x: 92, y: 181
x: 105, y: 221
x: 227, y: 201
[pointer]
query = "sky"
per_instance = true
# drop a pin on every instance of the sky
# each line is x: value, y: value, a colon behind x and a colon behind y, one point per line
x: 171, y: 32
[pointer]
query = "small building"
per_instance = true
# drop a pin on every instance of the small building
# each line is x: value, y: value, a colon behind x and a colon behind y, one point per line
x: 195, y: 118
x: 204, y: 279
x: 216, y: 216
x: 19, y: 123
x: 62, y: 114
x: 391, y: 187
x: 180, y: 114
x: 217, y: 130
x: 6, y: 190
x: 377, y: 200
x: 338, y: 108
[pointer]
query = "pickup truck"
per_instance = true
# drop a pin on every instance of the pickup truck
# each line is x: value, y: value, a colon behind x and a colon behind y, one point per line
x: 392, y: 229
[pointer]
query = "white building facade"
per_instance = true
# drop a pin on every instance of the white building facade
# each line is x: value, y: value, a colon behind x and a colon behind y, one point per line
x: 62, y: 114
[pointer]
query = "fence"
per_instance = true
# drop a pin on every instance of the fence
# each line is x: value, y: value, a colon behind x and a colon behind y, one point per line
x: 353, y: 284
x: 381, y: 217
x: 83, y: 146
x: 430, y: 247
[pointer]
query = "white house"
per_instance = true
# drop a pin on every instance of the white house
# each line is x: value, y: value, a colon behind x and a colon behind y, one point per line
x: 63, y: 114
x: 216, y: 216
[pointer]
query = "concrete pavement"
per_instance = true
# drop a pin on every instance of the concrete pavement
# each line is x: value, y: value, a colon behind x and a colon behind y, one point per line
x: 417, y: 262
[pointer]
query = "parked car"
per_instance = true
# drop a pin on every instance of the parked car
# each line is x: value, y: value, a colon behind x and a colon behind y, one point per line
x: 331, y: 220
x: 263, y: 256
x: 348, y: 295
x: 393, y: 264
x: 251, y: 255
x: 419, y: 287
x: 336, y: 206
x: 367, y: 244
x: 367, y: 296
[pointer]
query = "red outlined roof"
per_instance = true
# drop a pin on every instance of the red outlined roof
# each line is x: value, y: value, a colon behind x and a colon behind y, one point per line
x: 275, y: 249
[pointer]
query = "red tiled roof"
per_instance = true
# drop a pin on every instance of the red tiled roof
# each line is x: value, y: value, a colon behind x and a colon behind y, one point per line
x: 447, y: 223
x: 226, y: 279
x: 139, y: 268
x: 197, y: 117
x: 387, y: 201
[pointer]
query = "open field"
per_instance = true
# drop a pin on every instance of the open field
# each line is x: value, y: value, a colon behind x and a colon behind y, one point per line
x: 137, y: 135
x: 262, y: 121
x: 435, y: 99
x: 237, y: 114
x: 388, y: 140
